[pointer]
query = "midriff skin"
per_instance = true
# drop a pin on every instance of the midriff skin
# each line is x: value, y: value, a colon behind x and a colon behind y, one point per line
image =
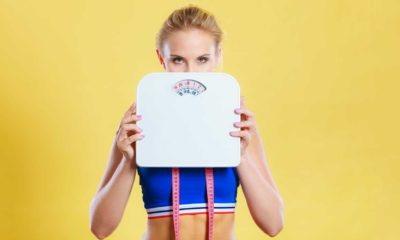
x: 192, y: 227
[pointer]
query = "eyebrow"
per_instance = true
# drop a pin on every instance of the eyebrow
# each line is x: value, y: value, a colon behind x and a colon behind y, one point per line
x: 174, y: 55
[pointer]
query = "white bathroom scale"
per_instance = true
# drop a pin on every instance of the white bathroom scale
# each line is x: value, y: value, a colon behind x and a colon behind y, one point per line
x: 186, y: 120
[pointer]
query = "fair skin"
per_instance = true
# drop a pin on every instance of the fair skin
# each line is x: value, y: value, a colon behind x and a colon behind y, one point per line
x: 188, y: 51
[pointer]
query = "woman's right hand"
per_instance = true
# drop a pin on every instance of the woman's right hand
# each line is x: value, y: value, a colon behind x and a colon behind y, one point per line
x: 128, y: 133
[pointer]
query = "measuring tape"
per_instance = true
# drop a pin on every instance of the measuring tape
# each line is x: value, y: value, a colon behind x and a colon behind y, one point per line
x: 210, y: 200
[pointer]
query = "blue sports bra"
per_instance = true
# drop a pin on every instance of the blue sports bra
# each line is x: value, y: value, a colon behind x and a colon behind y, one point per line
x: 156, y: 184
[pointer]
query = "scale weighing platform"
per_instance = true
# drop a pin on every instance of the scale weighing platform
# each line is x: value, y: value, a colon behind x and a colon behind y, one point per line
x: 187, y: 117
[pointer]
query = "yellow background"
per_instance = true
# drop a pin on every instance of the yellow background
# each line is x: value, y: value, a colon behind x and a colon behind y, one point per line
x: 322, y: 78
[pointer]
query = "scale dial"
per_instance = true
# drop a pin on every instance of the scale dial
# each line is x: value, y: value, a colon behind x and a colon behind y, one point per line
x: 189, y: 86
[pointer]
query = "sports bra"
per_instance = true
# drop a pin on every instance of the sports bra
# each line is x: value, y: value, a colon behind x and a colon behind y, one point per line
x: 156, y: 184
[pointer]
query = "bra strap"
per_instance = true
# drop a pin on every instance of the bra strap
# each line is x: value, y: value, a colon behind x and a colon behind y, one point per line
x: 210, y: 200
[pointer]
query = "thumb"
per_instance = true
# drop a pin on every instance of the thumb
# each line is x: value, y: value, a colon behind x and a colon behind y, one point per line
x: 242, y: 101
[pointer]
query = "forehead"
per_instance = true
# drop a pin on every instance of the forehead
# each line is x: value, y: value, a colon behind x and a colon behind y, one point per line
x: 189, y: 43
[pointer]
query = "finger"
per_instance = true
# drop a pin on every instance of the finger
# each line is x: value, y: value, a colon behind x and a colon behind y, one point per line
x: 122, y: 135
x: 128, y: 127
x: 130, y: 118
x: 123, y: 132
x: 237, y: 133
x: 249, y: 114
x: 133, y: 138
x: 244, y: 124
x: 127, y: 119
x: 131, y: 110
x: 133, y: 107
x: 245, y: 135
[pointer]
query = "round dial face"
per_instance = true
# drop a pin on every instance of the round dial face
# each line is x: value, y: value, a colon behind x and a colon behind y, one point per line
x: 189, y: 86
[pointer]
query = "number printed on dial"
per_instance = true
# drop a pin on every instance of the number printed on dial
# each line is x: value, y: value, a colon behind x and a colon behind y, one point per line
x: 189, y: 86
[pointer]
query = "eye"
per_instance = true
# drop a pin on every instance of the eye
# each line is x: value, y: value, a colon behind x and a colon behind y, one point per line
x: 203, y: 59
x: 177, y: 60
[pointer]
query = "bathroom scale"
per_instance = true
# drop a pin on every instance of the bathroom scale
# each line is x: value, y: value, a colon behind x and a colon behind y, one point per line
x: 186, y: 120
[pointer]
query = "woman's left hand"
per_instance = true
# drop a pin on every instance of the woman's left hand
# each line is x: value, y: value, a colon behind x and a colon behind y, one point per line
x: 247, y: 126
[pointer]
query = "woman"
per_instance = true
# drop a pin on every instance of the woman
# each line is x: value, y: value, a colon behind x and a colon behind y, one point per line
x: 188, y: 41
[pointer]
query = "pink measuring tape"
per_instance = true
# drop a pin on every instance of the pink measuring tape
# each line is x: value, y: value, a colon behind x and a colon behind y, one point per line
x: 210, y: 200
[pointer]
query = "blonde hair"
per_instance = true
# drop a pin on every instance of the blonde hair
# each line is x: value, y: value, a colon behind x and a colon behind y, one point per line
x: 188, y: 17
